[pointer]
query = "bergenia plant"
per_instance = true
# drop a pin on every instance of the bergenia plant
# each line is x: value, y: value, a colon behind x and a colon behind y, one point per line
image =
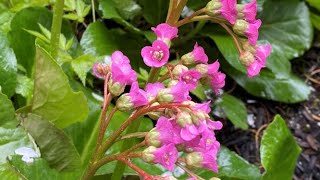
x: 184, y: 132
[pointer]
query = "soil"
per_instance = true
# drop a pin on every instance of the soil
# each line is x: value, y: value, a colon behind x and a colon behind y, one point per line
x: 303, y: 119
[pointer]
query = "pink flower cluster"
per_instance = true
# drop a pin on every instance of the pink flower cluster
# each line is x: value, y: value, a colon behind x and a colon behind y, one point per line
x: 242, y: 17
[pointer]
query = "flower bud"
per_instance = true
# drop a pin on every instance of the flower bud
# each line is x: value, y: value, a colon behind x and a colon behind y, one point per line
x: 240, y: 26
x: 124, y: 103
x: 153, y: 138
x: 178, y: 69
x: 154, y: 115
x: 194, y: 159
x: 147, y: 154
x: 164, y: 96
x: 172, y: 83
x: 212, y: 7
x: 246, y: 58
x: 184, y: 119
x: 187, y: 59
x: 115, y: 88
x: 248, y: 47
x: 100, y: 70
x: 202, y: 68
x: 199, y: 116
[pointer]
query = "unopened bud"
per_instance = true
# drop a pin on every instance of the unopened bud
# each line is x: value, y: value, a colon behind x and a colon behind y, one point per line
x: 188, y: 59
x: 100, y: 70
x: 124, y: 103
x: 115, y: 88
x: 248, y: 47
x: 147, y: 154
x: 240, y: 8
x: 240, y: 26
x: 178, y: 69
x: 194, y: 159
x: 152, y: 138
x: 246, y: 58
x: 212, y: 7
x: 184, y: 119
x: 172, y: 83
x: 164, y: 96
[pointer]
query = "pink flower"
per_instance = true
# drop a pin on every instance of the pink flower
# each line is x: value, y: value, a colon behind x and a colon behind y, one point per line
x: 205, y: 107
x: 121, y: 70
x: 252, y: 31
x: 190, y: 78
x: 214, y: 125
x: 218, y: 81
x: 156, y: 55
x: 209, y: 160
x: 167, y: 156
x: 164, y: 127
x: 208, y: 141
x: 188, y: 132
x: 199, y: 54
x: 165, y: 32
x: 214, y: 67
x: 229, y: 10
x: 262, y: 52
x: 250, y: 11
x: 180, y: 92
x: 100, y: 70
x: 138, y: 97
x: 152, y: 89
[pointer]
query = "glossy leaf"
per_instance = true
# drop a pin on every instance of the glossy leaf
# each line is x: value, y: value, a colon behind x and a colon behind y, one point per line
x: 267, y: 85
x: 279, y: 151
x: 109, y: 11
x: 8, y: 67
x: 97, y: 40
x: 38, y: 170
x: 235, y: 110
x: 22, y: 42
x: 286, y: 25
x: 53, y: 98
x: 128, y: 9
x: 54, y: 145
x: 155, y: 11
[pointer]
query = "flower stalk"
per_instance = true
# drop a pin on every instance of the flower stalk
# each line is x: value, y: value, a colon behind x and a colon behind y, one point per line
x: 56, y: 27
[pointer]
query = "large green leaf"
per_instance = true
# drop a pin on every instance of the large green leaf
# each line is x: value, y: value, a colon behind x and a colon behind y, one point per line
x: 128, y: 9
x: 97, y: 40
x: 8, y: 173
x: 38, y: 170
x: 8, y: 67
x: 287, y: 27
x: 155, y: 11
x: 22, y: 42
x: 54, y: 145
x: 235, y: 110
x: 268, y: 86
x: 279, y: 151
x: 109, y: 11
x: 7, y: 115
x: 53, y: 98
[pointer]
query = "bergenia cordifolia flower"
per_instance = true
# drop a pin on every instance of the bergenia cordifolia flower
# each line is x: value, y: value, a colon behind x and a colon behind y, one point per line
x: 166, y: 155
x: 121, y: 71
x: 161, y: 134
x: 248, y: 11
x: 152, y: 89
x: 190, y: 78
x: 227, y: 9
x: 177, y: 93
x: 203, y: 159
x: 205, y: 107
x: 262, y: 52
x: 217, y: 81
x: 205, y: 69
x: 156, y: 55
x: 165, y: 32
x: 198, y: 55
x: 250, y: 30
x: 137, y: 96
x: 100, y: 70
x: 208, y: 141
x: 188, y: 130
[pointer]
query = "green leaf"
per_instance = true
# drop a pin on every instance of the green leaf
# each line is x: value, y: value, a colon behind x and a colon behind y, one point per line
x: 5, y: 20
x: 235, y: 110
x: 8, y: 173
x: 259, y: 3
x: 314, y: 3
x: 54, y: 145
x: 38, y: 170
x: 110, y: 12
x: 24, y: 86
x: 7, y: 115
x: 128, y: 9
x: 287, y: 27
x: 8, y: 67
x: 22, y: 42
x: 315, y: 19
x: 97, y: 40
x: 267, y: 85
x: 279, y: 151
x: 53, y: 99
x: 155, y: 11
x: 82, y: 65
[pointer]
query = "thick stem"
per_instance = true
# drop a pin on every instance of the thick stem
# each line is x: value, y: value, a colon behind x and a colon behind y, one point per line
x: 188, y: 19
x: 56, y: 27
x: 93, y: 11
